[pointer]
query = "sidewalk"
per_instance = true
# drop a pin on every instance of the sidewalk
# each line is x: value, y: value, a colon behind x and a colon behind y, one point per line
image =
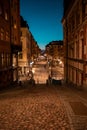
x: 75, y: 102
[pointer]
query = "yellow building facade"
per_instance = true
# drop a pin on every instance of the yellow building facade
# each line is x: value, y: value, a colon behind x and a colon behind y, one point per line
x: 24, y: 57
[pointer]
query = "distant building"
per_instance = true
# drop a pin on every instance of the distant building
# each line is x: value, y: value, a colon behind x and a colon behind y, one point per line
x: 54, y: 50
x: 30, y: 48
x: 35, y: 50
x: 24, y: 56
x: 75, y: 42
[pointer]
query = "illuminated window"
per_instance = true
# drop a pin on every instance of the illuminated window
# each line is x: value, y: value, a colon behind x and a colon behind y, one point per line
x: 15, y: 26
x: 6, y: 16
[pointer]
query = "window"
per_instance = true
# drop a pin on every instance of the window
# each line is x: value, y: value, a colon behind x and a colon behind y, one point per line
x: 8, y: 59
x: 2, y: 34
x: 15, y: 6
x: 80, y: 49
x: 77, y: 48
x: 20, y: 56
x: 21, y: 33
x: 15, y: 38
x: 21, y: 44
x: 12, y: 21
x: 2, y: 59
x: 11, y: 3
x: 15, y: 26
x: 0, y: 9
x: 73, y: 21
x: 6, y: 15
x: 7, y: 36
x: 77, y: 18
x: 84, y: 8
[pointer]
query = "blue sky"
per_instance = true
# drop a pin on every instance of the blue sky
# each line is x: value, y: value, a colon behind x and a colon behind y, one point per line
x: 44, y: 19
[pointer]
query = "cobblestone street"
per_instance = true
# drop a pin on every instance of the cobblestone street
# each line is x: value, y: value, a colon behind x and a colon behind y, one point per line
x: 39, y: 107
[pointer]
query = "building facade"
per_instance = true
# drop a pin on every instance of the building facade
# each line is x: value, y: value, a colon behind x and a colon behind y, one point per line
x: 54, y: 50
x: 75, y: 42
x: 24, y: 57
x: 29, y: 49
x: 5, y: 50
x: 15, y: 36
x: 35, y: 50
x: 9, y: 40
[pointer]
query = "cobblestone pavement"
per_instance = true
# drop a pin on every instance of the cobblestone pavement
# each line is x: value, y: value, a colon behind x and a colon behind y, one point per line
x: 75, y: 103
x: 40, y: 108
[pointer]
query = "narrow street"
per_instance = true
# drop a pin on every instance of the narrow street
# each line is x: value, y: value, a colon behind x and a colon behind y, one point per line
x: 42, y: 107
x: 43, y: 65
x: 40, y: 72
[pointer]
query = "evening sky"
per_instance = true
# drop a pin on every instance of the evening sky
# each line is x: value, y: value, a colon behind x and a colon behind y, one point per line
x: 44, y: 19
